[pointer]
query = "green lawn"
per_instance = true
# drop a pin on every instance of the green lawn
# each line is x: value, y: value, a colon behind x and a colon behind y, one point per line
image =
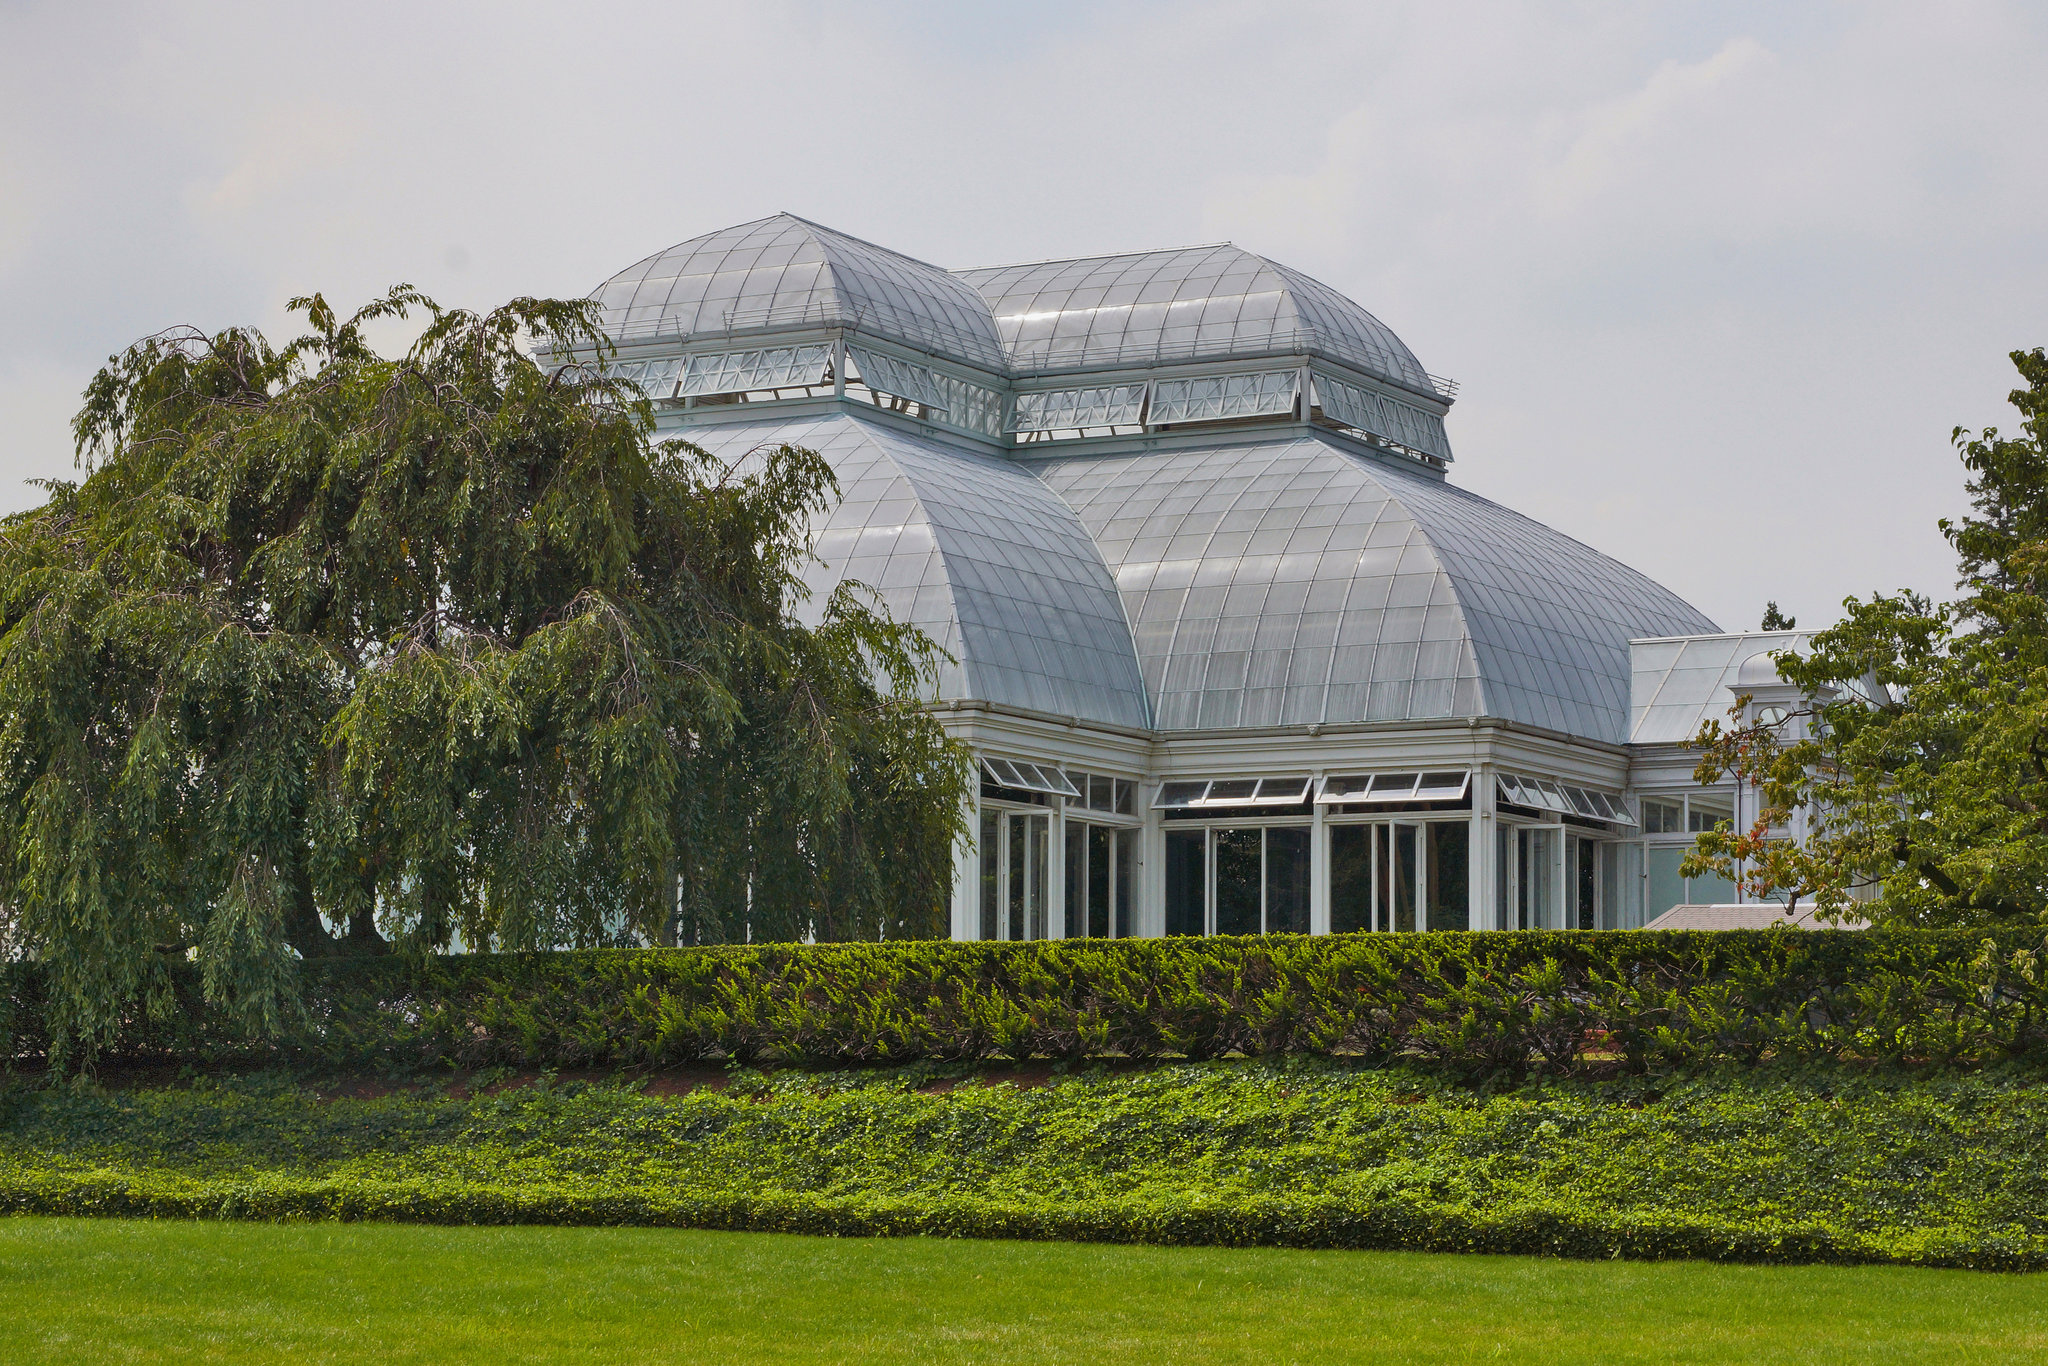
x: 115, y: 1291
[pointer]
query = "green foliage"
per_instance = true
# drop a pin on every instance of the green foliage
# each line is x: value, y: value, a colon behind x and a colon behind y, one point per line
x: 1922, y: 762
x: 1483, y: 1005
x: 1818, y: 1165
x: 1774, y: 620
x: 331, y: 650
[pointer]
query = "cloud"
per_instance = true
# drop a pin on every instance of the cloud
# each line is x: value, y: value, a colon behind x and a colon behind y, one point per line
x: 284, y: 150
x: 1717, y: 279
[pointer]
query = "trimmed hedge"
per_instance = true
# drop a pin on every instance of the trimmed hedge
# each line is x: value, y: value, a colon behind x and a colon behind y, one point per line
x: 1827, y: 1165
x: 1480, y: 1003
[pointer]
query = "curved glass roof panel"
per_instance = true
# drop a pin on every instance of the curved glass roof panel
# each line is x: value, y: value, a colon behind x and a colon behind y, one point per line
x: 1190, y: 303
x: 975, y: 551
x: 786, y: 272
x: 1295, y: 582
x: 1551, y: 618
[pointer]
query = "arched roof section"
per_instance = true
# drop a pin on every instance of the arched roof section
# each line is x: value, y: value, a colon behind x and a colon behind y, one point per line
x: 784, y: 271
x: 976, y: 552
x: 1189, y: 303
x: 1295, y: 582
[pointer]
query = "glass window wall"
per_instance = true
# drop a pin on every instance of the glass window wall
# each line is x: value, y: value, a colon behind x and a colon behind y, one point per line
x: 1400, y: 875
x: 1678, y: 817
x: 1237, y: 880
x: 1099, y: 863
x: 1014, y: 864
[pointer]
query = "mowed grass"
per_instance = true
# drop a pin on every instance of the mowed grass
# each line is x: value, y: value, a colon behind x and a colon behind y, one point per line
x: 122, y: 1291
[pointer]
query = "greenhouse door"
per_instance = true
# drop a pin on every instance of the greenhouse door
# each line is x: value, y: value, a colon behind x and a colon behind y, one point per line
x: 1374, y: 876
x: 1013, y: 873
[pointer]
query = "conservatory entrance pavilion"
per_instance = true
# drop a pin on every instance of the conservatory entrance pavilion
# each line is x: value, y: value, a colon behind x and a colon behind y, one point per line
x: 1232, y: 653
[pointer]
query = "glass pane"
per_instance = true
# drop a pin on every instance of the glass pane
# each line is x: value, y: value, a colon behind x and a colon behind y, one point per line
x: 1665, y: 887
x: 1610, y: 887
x: 1586, y: 885
x: 1238, y: 875
x: 1338, y: 789
x: 1123, y: 797
x: 1076, y: 881
x: 1039, y: 831
x: 1447, y: 869
x: 1180, y: 794
x: 1353, y: 405
x: 1441, y: 787
x: 1661, y: 817
x: 1048, y: 410
x: 1504, y: 893
x: 1101, y: 793
x: 1350, y: 878
x: 1283, y: 791
x: 1538, y: 899
x: 1707, y: 810
x: 991, y: 873
x: 735, y: 372
x: 1234, y: 790
x: 1287, y: 881
x: 1101, y: 859
x: 1402, y: 884
x: 1389, y: 785
x: 1126, y: 845
x: 1014, y: 921
x: 1710, y: 891
x: 1186, y: 868
x: 1219, y: 396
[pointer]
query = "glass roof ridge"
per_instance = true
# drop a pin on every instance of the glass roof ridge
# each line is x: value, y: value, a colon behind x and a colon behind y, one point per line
x: 858, y: 241
x: 1097, y: 256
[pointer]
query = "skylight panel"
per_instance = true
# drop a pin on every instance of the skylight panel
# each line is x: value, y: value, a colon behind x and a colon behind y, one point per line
x: 738, y: 372
x: 1046, y: 410
x: 1260, y: 394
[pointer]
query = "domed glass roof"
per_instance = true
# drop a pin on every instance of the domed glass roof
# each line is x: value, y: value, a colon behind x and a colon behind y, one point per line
x: 1275, y: 583
x: 1136, y: 310
x: 1187, y: 304
x: 1294, y: 582
x: 974, y: 551
x: 786, y: 272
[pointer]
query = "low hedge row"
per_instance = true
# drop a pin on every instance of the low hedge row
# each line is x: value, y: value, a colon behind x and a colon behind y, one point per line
x: 1749, y: 1166
x: 1479, y: 1002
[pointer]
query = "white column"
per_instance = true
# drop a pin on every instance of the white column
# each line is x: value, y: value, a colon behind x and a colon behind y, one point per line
x: 1560, y: 886
x: 1318, y: 861
x: 1483, y: 858
x: 966, y: 899
x: 1151, y: 916
x: 1056, y: 873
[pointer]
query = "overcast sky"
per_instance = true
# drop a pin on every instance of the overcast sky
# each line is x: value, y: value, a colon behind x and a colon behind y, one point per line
x: 1717, y: 279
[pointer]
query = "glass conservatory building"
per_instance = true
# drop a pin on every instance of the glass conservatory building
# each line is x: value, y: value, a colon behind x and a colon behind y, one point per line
x: 1231, y: 651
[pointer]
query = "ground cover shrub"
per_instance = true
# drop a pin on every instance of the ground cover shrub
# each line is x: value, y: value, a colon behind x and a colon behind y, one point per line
x: 1477, y: 1003
x: 1820, y: 1164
